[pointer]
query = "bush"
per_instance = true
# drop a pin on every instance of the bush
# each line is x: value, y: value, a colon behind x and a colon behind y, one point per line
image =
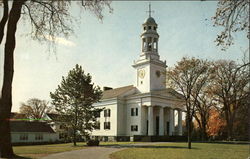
x: 93, y: 143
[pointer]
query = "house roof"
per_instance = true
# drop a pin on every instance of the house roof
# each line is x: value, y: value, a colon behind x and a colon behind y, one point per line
x: 112, y: 93
x: 30, y: 126
x: 53, y: 116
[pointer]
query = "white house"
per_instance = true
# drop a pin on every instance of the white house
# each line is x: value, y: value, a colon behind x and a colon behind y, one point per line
x: 147, y: 107
x: 32, y: 132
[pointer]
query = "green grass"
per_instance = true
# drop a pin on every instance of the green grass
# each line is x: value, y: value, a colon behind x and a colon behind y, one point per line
x: 180, y: 151
x: 35, y: 151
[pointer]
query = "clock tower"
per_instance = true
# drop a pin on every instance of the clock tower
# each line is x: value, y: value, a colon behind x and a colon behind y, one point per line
x: 150, y: 70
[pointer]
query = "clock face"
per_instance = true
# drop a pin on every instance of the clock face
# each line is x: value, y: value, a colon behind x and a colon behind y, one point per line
x: 158, y: 73
x: 141, y: 73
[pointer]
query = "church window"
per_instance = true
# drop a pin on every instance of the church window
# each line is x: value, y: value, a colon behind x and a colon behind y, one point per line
x: 154, y: 44
x: 149, y: 27
x: 144, y: 28
x: 97, y: 114
x: 107, y: 125
x: 141, y: 82
x: 134, y: 111
x: 154, y: 28
x: 107, y: 113
x: 134, y: 127
x: 98, y: 125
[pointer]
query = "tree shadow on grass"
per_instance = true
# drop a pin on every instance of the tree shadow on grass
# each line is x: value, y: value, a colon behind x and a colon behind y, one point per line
x: 144, y: 146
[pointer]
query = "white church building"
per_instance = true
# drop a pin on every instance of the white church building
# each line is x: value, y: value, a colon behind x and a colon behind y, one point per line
x: 147, y: 108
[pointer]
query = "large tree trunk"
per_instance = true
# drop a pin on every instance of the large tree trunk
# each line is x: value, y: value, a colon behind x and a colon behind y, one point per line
x: 229, y: 124
x: 4, y: 19
x: 6, y: 96
x: 189, y: 131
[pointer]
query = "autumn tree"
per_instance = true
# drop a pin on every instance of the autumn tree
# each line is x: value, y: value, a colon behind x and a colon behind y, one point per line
x: 47, y: 19
x: 231, y: 89
x: 188, y: 77
x: 216, y: 123
x: 73, y: 101
x: 35, y: 108
x: 233, y: 16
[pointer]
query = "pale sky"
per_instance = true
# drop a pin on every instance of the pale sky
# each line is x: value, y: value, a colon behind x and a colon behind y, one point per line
x: 107, y: 49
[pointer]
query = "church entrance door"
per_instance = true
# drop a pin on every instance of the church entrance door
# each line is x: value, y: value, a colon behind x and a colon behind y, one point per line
x: 157, y: 125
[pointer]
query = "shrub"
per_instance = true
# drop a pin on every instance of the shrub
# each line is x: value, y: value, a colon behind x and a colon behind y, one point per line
x: 93, y: 143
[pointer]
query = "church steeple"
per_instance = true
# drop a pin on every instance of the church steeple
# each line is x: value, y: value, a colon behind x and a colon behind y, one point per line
x: 150, y: 70
x: 149, y: 38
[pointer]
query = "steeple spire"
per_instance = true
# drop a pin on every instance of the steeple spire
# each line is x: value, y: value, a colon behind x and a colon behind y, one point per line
x: 149, y: 10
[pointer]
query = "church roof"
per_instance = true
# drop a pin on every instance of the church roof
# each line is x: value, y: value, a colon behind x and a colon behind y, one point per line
x: 112, y: 93
x: 171, y: 92
x: 30, y: 126
x: 150, y: 20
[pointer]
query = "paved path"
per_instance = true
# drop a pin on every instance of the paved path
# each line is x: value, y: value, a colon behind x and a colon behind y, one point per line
x: 100, y: 152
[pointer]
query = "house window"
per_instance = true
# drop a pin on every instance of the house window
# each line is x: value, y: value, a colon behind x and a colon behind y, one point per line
x: 39, y: 137
x: 98, y: 125
x: 134, y: 111
x: 107, y: 125
x: 107, y: 113
x: 134, y: 127
x: 23, y: 137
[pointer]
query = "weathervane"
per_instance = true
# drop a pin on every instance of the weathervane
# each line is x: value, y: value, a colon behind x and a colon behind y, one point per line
x: 149, y: 10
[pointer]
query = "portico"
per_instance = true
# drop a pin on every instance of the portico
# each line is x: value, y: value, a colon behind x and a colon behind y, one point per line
x: 161, y: 121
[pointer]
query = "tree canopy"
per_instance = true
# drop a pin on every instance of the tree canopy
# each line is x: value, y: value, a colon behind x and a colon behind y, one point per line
x: 233, y: 16
x: 35, y: 108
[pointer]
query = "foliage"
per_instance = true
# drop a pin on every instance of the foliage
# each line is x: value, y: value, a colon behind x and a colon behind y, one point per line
x: 93, y: 143
x: 216, y: 123
x: 233, y: 16
x: 35, y: 108
x: 73, y: 100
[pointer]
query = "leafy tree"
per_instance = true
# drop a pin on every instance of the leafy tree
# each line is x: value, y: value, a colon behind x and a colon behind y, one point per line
x: 73, y: 100
x: 189, y: 77
x: 35, y: 108
x: 48, y: 19
x: 233, y: 16
x: 231, y: 88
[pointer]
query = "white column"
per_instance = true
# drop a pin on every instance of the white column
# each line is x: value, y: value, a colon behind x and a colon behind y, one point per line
x: 180, y: 122
x: 171, y: 122
x: 161, y: 121
x: 150, y: 121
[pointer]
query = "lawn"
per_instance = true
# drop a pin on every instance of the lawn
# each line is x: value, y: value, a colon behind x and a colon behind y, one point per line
x: 36, y: 151
x: 180, y: 151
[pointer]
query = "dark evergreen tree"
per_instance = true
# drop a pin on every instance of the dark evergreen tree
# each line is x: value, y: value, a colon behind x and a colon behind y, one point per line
x: 73, y: 100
